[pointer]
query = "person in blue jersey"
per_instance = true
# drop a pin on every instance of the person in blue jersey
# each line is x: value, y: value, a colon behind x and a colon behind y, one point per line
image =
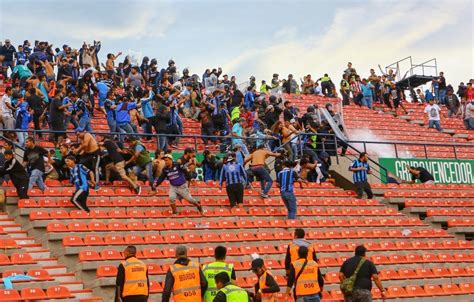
x: 360, y: 167
x: 176, y: 175
x: 286, y: 179
x: 78, y: 177
x: 235, y: 177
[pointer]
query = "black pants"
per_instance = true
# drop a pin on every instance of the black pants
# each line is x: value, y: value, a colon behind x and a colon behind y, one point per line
x: 21, y: 188
x: 363, y: 186
x: 326, y: 88
x: 135, y: 299
x: 235, y: 192
x: 79, y: 200
x: 36, y: 122
x: 92, y: 162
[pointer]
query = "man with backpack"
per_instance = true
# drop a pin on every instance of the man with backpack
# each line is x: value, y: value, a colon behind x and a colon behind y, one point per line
x: 356, y: 276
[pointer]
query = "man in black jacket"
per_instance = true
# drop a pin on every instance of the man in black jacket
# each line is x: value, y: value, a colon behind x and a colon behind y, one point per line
x: 17, y: 173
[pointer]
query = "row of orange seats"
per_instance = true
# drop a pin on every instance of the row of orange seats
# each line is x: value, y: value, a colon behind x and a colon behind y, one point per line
x: 438, y: 203
x: 450, y: 212
x: 441, y: 194
x: 36, y: 293
x: 156, y: 225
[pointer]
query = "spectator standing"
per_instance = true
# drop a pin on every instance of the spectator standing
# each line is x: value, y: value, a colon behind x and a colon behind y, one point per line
x: 441, y: 88
x: 57, y: 114
x: 23, y: 119
x: 360, y: 167
x: 178, y: 184
x: 258, y: 158
x: 79, y: 175
x: 17, y: 174
x: 286, y: 179
x: 184, y: 279
x: 468, y: 108
x: 345, y: 90
x: 266, y: 287
x: 7, y: 109
x: 33, y: 159
x: 238, y: 134
x: 365, y: 271
x: 235, y: 177
x: 367, y: 93
x: 433, y: 112
x: 8, y: 52
x: 37, y: 105
x: 452, y: 103
x: 306, y: 277
x: 132, y: 283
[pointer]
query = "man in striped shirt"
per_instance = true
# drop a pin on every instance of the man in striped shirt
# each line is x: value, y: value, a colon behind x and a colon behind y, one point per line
x: 360, y: 167
x: 79, y: 178
x: 286, y: 179
x: 235, y: 177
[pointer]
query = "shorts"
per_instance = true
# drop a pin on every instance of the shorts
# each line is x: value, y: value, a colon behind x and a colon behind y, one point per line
x: 180, y: 192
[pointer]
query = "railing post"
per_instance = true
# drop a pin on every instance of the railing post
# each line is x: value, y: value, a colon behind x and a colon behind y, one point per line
x: 396, y: 151
x: 426, y: 153
x: 455, y: 153
x: 195, y: 143
x: 337, y: 154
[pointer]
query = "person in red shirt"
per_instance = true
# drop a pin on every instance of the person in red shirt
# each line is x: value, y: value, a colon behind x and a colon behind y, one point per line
x: 469, y: 93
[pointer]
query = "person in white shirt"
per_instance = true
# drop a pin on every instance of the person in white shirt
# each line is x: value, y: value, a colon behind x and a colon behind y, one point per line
x: 468, y: 115
x: 433, y: 112
x: 8, y: 121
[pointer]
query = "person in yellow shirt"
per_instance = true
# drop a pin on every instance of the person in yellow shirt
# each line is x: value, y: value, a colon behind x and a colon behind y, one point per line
x: 132, y: 283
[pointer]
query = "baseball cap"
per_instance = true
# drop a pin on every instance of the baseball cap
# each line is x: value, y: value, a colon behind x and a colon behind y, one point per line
x: 10, y: 152
x: 7, y: 40
x: 257, y: 263
x: 168, y: 156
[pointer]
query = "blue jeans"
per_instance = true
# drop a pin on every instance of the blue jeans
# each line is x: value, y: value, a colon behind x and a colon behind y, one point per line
x: 442, y: 95
x: 162, y: 142
x: 70, y: 119
x: 265, y: 179
x: 290, y: 202
x: 85, y: 123
x: 124, y: 128
x: 36, y: 177
x: 435, y: 124
x: 22, y: 136
x: 312, y: 298
x: 469, y: 123
x: 149, y: 171
x: 112, y: 125
x: 367, y: 101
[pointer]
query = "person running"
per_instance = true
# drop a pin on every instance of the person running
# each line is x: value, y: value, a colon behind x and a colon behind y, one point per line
x: 286, y: 179
x: 258, y: 158
x: 178, y: 184
x: 360, y: 167
x: 235, y: 177
x: 17, y: 174
x: 79, y: 178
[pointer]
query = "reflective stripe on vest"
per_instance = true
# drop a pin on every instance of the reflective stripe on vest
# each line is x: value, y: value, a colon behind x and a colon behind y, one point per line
x: 266, y: 297
x: 187, y: 285
x: 210, y: 271
x: 307, y: 284
x: 136, y: 282
x: 234, y: 293
x: 294, y: 252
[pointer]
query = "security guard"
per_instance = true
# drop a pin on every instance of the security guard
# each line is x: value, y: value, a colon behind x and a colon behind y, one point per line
x: 229, y: 292
x: 266, y: 287
x: 306, y: 277
x: 184, y: 279
x: 292, y: 251
x: 211, y: 270
x: 132, y: 284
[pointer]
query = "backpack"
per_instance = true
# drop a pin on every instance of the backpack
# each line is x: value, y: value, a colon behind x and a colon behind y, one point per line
x: 347, y: 286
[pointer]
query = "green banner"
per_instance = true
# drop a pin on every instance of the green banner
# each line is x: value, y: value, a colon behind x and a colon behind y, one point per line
x: 445, y: 171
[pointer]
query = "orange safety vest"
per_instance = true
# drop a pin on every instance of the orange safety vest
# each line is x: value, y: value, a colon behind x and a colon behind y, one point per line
x: 136, y: 282
x: 266, y: 297
x: 187, y: 282
x: 307, y: 283
x: 294, y: 252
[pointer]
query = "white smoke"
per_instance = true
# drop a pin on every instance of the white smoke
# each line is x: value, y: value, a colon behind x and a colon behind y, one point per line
x: 379, y: 149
